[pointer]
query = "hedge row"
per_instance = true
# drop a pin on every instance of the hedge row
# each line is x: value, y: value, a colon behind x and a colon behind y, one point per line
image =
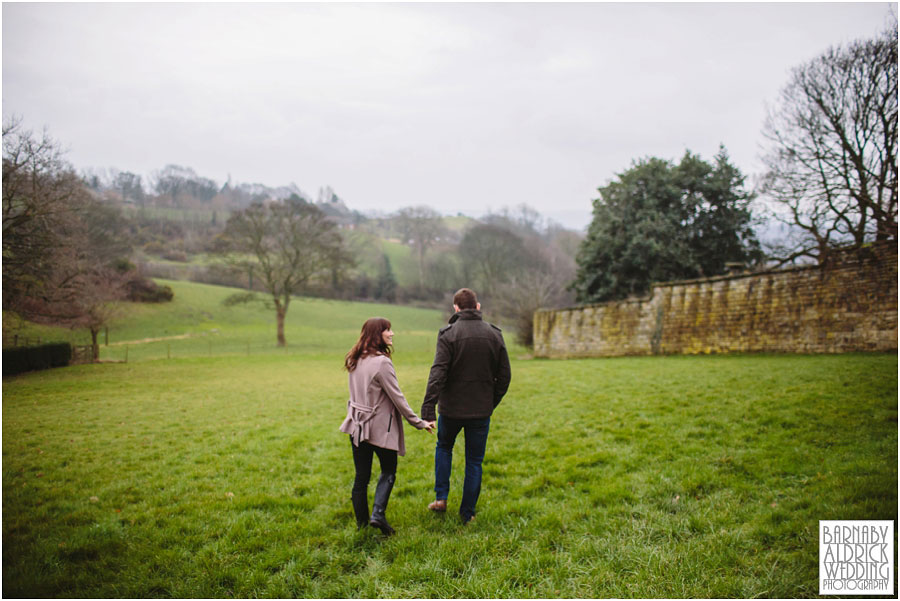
x: 20, y: 359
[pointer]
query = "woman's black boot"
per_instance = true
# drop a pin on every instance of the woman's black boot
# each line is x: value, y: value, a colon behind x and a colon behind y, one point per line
x: 382, y: 494
x: 360, y: 507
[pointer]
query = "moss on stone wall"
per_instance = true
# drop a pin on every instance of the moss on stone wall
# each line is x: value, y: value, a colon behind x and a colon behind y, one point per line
x: 847, y: 305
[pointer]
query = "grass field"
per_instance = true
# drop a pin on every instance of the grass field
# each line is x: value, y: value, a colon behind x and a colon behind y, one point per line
x: 225, y: 475
x: 197, y: 324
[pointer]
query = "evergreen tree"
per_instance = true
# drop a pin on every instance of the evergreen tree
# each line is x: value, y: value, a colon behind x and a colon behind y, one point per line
x: 659, y: 221
x: 386, y: 287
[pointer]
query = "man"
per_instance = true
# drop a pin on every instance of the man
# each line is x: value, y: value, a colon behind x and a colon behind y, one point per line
x: 468, y: 379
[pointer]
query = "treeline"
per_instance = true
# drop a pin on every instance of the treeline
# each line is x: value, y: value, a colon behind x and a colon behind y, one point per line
x: 177, y: 186
x: 177, y: 215
x: 516, y: 259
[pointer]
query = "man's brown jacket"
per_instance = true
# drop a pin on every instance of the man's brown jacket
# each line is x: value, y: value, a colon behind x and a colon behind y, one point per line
x: 470, y: 373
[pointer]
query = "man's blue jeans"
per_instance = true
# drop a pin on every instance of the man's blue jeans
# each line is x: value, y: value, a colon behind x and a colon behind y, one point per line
x: 476, y: 433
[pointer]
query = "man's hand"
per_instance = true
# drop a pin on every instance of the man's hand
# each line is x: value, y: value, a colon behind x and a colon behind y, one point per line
x: 429, y: 427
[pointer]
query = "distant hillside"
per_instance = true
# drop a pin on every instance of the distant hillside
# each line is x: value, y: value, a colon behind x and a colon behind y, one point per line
x: 412, y: 256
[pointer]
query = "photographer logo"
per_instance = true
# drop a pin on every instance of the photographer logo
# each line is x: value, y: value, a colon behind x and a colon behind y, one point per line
x: 856, y: 557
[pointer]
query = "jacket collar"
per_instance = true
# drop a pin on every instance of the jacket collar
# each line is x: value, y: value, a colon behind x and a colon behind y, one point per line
x: 466, y: 314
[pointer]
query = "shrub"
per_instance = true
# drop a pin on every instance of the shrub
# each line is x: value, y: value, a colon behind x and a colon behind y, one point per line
x: 143, y: 290
x: 155, y: 247
x: 20, y: 359
x: 123, y: 265
x: 176, y: 255
x: 239, y: 298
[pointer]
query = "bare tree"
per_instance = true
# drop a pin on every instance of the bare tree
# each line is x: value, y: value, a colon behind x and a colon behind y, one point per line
x: 39, y: 192
x: 421, y: 227
x: 60, y: 245
x: 520, y: 297
x: 285, y: 244
x: 543, y: 285
x: 181, y: 184
x: 832, y: 164
x: 84, y: 273
x: 129, y: 186
x: 80, y: 293
x: 524, y: 220
x: 493, y: 255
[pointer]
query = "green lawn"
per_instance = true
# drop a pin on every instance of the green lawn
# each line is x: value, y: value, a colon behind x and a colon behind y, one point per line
x: 225, y: 475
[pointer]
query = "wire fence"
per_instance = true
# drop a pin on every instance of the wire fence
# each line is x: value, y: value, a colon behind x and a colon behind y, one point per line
x: 13, y: 340
x: 166, y: 347
x: 183, y: 347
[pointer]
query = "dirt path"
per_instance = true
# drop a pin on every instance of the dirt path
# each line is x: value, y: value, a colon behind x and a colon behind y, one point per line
x: 160, y: 339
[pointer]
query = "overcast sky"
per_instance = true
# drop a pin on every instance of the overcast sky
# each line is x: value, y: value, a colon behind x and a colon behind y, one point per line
x: 462, y: 107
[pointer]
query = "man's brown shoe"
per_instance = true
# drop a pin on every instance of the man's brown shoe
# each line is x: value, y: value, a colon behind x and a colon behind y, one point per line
x: 439, y: 505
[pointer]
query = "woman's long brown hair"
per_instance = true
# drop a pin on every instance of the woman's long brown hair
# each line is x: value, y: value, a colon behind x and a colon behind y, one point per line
x: 370, y: 342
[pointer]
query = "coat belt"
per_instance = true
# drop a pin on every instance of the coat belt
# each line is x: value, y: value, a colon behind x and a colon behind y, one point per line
x: 360, y: 416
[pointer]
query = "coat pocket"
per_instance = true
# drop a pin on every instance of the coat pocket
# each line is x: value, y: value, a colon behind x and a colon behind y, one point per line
x: 390, y: 421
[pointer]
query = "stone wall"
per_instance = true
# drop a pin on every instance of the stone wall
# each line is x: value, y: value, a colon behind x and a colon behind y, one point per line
x: 849, y: 305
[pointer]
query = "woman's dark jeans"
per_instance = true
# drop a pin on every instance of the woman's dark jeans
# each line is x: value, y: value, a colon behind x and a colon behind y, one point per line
x: 362, y: 460
x: 476, y: 434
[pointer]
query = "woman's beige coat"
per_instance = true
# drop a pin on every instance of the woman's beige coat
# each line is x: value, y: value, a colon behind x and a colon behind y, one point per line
x: 376, y: 404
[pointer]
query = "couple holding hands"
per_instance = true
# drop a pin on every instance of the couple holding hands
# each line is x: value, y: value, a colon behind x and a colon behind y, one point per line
x: 468, y: 379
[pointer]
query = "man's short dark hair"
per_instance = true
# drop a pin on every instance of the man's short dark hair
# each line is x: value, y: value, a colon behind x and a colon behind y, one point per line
x: 465, y: 299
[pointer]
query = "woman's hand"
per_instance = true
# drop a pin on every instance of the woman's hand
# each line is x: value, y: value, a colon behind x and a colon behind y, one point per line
x: 429, y: 427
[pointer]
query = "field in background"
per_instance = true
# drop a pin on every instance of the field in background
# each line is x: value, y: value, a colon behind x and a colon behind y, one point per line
x: 197, y: 323
x: 403, y: 263
x: 224, y: 475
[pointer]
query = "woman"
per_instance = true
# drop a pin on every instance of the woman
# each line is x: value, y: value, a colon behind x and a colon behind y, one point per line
x: 373, y: 419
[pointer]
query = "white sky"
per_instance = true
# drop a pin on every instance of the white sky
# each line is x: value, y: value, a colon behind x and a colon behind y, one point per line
x: 462, y: 107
